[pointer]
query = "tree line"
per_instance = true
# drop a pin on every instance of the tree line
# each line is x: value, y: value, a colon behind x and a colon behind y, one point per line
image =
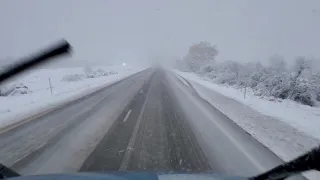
x: 299, y: 81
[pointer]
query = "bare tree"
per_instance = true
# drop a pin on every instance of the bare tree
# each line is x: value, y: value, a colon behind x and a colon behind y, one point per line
x: 301, y: 64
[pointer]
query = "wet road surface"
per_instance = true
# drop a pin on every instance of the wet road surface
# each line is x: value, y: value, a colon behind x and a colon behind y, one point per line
x: 151, y: 121
x: 155, y: 136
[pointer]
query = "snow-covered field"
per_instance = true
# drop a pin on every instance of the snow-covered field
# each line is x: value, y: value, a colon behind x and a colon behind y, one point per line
x: 13, y: 109
x: 285, y: 127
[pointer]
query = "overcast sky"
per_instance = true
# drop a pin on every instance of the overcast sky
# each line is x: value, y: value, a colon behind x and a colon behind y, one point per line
x: 105, y: 31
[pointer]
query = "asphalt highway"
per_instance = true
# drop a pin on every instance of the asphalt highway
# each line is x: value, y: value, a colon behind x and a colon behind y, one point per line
x: 150, y: 121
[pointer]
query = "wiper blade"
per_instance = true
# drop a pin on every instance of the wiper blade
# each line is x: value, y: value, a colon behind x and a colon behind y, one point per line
x: 6, y: 172
x: 306, y: 162
x: 61, y: 48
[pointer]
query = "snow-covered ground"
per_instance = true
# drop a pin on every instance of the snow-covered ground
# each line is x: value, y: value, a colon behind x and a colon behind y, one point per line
x: 285, y: 127
x: 16, y: 108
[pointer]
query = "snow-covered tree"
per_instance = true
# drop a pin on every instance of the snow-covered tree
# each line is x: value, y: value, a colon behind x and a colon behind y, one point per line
x: 300, y: 83
x: 300, y: 90
x: 300, y: 65
x: 315, y: 81
x: 226, y: 72
x: 200, y: 55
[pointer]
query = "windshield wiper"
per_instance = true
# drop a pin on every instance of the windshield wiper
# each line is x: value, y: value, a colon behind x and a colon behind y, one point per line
x: 6, y: 172
x: 306, y: 162
x: 61, y: 48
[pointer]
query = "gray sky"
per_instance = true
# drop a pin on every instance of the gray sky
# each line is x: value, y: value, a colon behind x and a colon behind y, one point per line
x: 134, y: 30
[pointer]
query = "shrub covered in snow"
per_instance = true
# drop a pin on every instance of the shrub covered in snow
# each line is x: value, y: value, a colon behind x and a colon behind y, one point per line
x: 315, y: 81
x: 266, y: 81
x: 16, y: 89
x: 300, y: 83
x: 72, y: 78
x: 88, y: 73
x: 302, y: 92
x: 98, y: 73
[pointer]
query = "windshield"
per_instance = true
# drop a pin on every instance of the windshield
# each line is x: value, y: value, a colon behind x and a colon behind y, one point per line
x: 207, y: 86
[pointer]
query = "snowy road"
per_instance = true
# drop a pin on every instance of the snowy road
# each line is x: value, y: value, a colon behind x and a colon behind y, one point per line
x: 154, y: 137
x: 149, y: 121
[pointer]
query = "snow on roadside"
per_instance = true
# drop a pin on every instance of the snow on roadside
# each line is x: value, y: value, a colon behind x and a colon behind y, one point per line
x: 301, y: 117
x: 183, y: 80
x: 289, y: 129
x: 16, y: 108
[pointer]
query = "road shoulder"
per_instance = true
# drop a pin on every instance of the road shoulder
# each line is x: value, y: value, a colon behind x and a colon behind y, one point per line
x: 282, y: 139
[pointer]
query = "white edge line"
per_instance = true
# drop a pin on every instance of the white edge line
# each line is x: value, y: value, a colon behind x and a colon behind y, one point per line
x: 182, y: 79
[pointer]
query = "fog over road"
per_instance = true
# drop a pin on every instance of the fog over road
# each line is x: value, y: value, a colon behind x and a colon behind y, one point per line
x: 150, y: 121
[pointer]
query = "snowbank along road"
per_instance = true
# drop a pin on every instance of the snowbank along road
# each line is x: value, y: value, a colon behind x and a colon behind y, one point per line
x: 151, y: 121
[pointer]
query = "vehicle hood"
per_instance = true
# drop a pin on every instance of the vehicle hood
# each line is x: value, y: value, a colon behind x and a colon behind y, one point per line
x: 130, y: 176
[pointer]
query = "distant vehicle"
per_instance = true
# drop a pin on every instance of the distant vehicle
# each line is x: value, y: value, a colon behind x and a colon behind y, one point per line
x: 306, y: 162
